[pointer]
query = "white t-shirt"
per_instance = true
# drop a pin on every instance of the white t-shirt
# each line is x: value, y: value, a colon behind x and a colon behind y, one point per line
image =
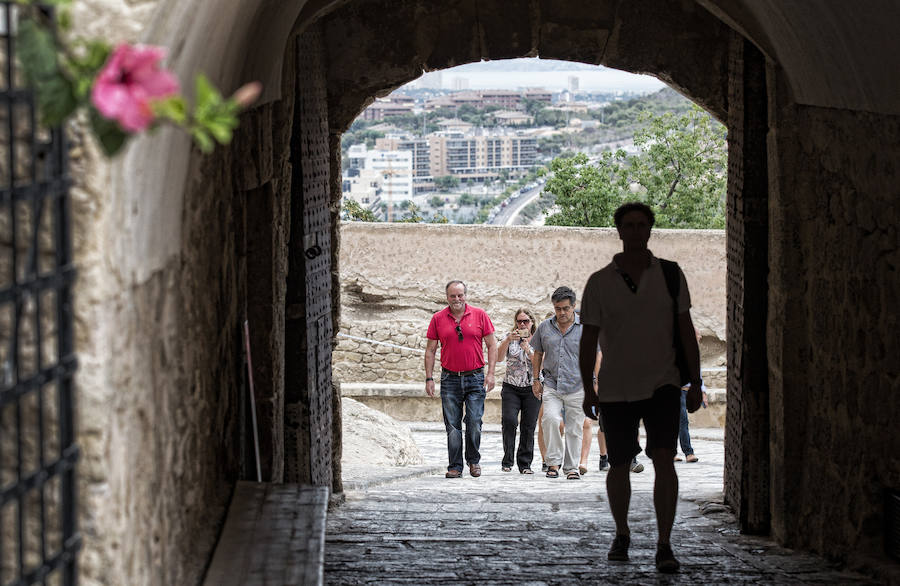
x: 635, y: 331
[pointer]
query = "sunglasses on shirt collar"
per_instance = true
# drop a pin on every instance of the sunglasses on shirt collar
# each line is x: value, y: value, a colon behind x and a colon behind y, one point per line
x: 459, y: 332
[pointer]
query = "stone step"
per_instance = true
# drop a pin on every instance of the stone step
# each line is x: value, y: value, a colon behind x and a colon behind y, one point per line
x: 273, y: 534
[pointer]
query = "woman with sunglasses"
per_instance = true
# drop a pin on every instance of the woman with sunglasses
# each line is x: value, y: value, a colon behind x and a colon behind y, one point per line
x: 516, y: 396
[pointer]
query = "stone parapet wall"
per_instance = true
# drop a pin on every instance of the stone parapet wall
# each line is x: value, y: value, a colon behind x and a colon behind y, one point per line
x: 408, y: 402
x: 393, y: 278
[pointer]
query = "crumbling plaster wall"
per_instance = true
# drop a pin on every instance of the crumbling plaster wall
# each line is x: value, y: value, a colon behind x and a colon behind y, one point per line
x: 393, y: 278
x: 833, y: 322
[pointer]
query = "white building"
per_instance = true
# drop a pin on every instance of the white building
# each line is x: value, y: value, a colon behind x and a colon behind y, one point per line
x: 378, y: 175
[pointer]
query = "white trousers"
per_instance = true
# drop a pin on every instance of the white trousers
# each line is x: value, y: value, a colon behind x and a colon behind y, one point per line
x: 566, y: 453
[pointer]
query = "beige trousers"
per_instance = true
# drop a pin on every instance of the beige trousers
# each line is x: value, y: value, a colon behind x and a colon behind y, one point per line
x: 566, y: 453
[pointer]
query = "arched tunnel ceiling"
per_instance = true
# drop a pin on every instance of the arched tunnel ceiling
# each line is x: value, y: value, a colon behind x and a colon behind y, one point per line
x: 373, y: 46
x: 833, y: 54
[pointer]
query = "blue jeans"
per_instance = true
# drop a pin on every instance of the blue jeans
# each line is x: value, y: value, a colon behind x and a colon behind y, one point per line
x: 456, y: 392
x: 684, y: 433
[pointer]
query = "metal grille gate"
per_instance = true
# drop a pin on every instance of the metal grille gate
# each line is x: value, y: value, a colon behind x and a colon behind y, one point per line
x: 38, y: 537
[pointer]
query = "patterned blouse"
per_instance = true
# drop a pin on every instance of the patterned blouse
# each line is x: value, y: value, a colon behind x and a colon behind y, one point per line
x: 518, y: 366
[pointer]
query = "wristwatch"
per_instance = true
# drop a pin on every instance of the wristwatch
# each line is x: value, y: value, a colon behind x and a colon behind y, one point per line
x: 428, y: 379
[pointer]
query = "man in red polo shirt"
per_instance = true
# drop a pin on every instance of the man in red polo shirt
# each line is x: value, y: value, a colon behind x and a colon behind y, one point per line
x: 461, y: 329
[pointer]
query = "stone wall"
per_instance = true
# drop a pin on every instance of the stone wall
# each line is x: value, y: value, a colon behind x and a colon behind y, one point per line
x: 159, y: 308
x: 393, y: 278
x: 832, y: 330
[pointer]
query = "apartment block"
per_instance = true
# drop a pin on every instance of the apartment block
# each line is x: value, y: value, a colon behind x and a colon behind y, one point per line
x: 480, y: 157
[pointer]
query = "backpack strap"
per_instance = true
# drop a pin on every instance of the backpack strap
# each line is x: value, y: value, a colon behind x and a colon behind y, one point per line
x: 673, y: 283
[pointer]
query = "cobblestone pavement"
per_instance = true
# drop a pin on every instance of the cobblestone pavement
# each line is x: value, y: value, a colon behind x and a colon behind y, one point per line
x: 507, y: 528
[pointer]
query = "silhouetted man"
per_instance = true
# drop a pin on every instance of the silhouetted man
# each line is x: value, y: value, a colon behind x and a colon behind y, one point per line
x: 628, y: 307
x: 460, y: 329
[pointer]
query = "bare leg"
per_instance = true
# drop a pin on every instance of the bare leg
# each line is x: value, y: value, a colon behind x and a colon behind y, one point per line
x: 665, y: 492
x: 618, y: 490
x: 601, y: 442
x: 585, y: 442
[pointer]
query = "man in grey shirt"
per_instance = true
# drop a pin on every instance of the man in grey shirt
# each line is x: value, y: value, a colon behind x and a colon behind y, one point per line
x: 555, y: 345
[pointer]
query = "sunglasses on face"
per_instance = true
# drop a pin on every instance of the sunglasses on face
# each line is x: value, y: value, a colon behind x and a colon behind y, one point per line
x: 522, y: 321
x: 459, y: 332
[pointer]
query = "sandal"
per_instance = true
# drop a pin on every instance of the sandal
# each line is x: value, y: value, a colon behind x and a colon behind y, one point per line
x: 526, y: 471
x: 582, y: 470
x: 691, y: 459
x: 552, y: 473
x: 573, y: 476
x: 506, y: 469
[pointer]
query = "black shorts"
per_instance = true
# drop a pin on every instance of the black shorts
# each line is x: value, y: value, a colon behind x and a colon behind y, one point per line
x: 661, y: 414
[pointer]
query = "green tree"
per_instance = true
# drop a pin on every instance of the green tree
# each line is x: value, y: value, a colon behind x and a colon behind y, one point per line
x: 414, y: 215
x: 436, y: 202
x: 546, y: 117
x: 586, y: 194
x: 682, y: 169
x: 439, y: 218
x: 466, y: 199
x: 446, y: 182
x: 354, y: 211
x: 366, y: 136
x: 680, y: 172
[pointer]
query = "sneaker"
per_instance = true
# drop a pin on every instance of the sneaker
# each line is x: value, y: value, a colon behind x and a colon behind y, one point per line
x: 636, y: 466
x: 665, y: 559
x: 604, y: 463
x: 618, y: 551
x: 544, y: 467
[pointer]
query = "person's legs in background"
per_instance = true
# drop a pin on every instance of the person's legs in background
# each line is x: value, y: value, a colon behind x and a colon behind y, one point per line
x: 541, y: 445
x: 473, y: 387
x: 574, y: 422
x: 452, y: 408
x: 550, y: 421
x: 531, y: 406
x: 684, y: 433
x: 510, y: 405
x: 601, y: 446
x: 587, y: 437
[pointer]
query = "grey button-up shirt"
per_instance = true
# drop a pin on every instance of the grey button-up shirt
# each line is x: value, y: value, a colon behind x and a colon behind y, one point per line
x: 560, y: 367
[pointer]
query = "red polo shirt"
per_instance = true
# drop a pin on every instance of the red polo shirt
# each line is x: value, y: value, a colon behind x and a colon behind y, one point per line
x: 467, y: 354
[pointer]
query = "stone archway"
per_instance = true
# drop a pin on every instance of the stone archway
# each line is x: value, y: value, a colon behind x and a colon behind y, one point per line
x: 370, y: 48
x: 166, y: 268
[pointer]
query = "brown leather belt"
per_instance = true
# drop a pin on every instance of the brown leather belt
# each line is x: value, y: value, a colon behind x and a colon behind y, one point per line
x: 464, y: 372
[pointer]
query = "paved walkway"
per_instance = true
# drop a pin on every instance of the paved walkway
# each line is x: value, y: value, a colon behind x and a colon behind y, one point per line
x: 507, y: 528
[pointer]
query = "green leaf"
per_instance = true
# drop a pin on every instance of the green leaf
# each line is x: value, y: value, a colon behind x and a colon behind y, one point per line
x: 203, y: 140
x: 207, y: 96
x: 221, y: 131
x: 173, y: 108
x: 37, y: 51
x: 111, y: 137
x: 55, y: 93
x: 56, y: 100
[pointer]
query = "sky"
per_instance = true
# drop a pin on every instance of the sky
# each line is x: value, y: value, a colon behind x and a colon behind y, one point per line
x: 514, y: 74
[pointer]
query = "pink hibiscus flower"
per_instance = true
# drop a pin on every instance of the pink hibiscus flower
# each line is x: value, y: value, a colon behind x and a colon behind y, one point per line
x: 131, y: 78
